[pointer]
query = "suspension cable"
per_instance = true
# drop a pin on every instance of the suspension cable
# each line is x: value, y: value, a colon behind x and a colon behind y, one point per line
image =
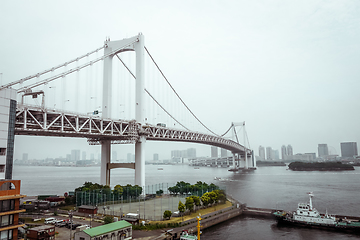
x: 178, y: 94
x: 165, y: 110
x: 49, y: 70
x: 152, y: 96
x: 227, y: 130
x: 126, y: 66
x: 72, y: 70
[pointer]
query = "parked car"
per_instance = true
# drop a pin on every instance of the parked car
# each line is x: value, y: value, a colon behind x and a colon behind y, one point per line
x: 50, y: 220
x: 74, y: 226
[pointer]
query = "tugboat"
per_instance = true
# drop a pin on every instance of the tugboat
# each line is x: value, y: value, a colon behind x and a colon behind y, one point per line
x: 307, y: 216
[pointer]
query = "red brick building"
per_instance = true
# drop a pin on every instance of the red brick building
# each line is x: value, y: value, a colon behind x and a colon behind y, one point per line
x: 46, y: 232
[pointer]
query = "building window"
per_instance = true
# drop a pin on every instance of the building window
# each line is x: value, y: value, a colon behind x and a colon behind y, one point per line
x: 2, y: 151
x: 7, y: 205
x: 6, y: 220
x: 7, y: 234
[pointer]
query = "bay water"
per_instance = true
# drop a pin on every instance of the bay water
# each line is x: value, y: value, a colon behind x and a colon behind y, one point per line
x: 266, y: 187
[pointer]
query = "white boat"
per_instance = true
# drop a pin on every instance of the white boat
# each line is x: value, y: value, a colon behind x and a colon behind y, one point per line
x: 307, y: 216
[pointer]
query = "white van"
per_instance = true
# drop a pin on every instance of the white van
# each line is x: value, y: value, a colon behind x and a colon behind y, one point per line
x: 50, y: 220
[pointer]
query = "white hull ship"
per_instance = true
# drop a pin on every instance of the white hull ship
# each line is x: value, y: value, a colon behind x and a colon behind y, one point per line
x: 307, y: 216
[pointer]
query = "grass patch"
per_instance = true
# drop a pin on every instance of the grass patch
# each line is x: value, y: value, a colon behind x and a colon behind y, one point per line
x: 204, y: 211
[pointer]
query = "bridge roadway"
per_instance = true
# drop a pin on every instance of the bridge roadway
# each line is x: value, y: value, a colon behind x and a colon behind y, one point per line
x: 34, y: 120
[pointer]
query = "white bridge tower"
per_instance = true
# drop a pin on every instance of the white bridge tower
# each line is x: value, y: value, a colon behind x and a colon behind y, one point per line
x: 130, y: 44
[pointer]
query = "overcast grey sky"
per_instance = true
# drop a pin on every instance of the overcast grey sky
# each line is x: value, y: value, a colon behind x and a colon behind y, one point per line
x: 290, y: 69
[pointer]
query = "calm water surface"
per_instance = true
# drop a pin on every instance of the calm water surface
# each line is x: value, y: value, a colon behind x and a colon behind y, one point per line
x: 268, y: 187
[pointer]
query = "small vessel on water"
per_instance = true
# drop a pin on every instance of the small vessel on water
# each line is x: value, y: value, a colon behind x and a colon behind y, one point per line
x: 307, y: 216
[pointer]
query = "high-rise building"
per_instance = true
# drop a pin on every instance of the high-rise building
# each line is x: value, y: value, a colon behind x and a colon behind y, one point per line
x: 83, y: 155
x: 283, y: 152
x: 92, y: 156
x: 75, y: 155
x: 7, y: 131
x: 156, y: 157
x: 10, y: 202
x: 25, y: 157
x: 290, y: 150
x: 269, y: 153
x: 262, y: 153
x: 349, y: 149
x: 191, y: 152
x: 175, y: 154
x: 323, y: 150
x: 223, y: 152
x: 214, y: 152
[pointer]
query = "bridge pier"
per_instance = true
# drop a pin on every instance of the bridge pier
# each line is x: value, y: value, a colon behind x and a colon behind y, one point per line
x: 140, y: 163
x: 105, y: 159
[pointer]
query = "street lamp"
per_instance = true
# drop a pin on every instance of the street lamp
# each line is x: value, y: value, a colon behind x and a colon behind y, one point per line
x: 70, y: 216
x: 90, y: 220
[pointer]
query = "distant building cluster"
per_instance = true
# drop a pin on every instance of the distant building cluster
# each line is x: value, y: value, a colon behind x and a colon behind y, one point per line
x: 215, y: 152
x: 348, y: 151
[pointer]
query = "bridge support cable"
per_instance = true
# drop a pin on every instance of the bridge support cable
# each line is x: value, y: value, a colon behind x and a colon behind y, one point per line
x: 49, y: 70
x: 152, y: 96
x: 45, y: 81
x: 178, y: 94
x: 165, y: 110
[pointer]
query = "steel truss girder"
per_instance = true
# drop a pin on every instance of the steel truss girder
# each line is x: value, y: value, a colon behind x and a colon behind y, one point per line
x: 32, y: 120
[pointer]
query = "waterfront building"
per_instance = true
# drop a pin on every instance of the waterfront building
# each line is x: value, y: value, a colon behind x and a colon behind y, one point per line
x: 223, y: 153
x: 191, y: 153
x: 323, y: 150
x: 9, y: 208
x: 116, y: 230
x: 175, y: 154
x: 214, y: 152
x: 312, y: 156
x: 269, y: 153
x: 261, y: 152
x: 349, y: 149
x: 283, y: 152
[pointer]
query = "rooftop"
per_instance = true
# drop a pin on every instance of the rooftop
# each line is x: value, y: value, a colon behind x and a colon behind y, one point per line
x: 103, y: 229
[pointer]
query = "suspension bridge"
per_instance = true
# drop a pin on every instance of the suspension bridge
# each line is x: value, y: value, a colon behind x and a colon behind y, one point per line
x: 137, y: 104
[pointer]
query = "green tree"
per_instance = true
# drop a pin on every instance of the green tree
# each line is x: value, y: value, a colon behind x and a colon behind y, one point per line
x: 167, y: 214
x: 205, y: 199
x: 181, y: 207
x: 108, y: 219
x: 159, y: 192
x: 213, y: 197
x: 196, y: 200
x: 189, y: 204
x: 221, y: 196
x: 118, y: 189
